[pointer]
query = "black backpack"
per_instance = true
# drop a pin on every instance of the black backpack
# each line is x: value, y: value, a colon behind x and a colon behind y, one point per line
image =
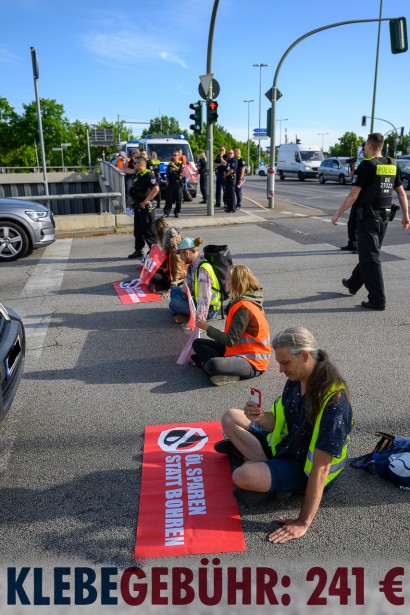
x: 221, y: 260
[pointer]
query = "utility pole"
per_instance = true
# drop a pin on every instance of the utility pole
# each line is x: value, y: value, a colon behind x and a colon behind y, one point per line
x: 249, y: 143
x: 260, y: 66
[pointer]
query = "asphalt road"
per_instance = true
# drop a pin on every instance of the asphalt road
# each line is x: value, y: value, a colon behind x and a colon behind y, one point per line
x: 98, y: 371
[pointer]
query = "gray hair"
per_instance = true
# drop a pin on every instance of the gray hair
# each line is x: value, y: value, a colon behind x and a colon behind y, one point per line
x: 296, y: 339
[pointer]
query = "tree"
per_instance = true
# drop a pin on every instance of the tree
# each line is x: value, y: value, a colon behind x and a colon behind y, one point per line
x: 163, y: 125
x: 347, y: 145
x: 8, y: 127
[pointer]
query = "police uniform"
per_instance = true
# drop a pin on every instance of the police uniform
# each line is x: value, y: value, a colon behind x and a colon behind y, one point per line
x: 154, y: 167
x: 230, y: 182
x: 238, y: 189
x: 377, y: 177
x: 175, y: 188
x: 203, y: 178
x: 142, y: 184
x: 220, y: 180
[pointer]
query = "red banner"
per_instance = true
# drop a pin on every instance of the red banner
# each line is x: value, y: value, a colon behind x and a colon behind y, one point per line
x: 133, y: 291
x: 152, y: 263
x: 186, y: 500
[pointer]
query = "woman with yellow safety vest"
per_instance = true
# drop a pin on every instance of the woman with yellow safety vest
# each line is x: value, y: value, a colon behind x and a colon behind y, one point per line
x: 300, y: 445
x: 243, y: 349
x: 202, y: 283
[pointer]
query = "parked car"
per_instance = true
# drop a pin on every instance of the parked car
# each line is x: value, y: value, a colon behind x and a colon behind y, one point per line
x: 24, y: 226
x: 404, y: 166
x: 263, y: 170
x: 12, y: 353
x: 334, y: 169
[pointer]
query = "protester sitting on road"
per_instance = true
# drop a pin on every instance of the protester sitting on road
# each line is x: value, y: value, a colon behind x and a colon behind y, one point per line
x: 243, y: 349
x: 201, y: 281
x: 300, y: 445
x: 172, y: 272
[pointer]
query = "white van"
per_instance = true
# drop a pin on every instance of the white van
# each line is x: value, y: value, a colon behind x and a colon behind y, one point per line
x: 164, y: 146
x: 297, y: 160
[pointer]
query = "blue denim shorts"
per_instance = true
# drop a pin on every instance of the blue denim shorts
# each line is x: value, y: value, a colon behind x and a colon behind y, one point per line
x: 287, y: 473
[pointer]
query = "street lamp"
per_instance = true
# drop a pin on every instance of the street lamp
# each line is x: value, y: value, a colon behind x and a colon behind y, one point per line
x: 249, y: 143
x: 323, y: 134
x: 280, y: 129
x: 260, y: 66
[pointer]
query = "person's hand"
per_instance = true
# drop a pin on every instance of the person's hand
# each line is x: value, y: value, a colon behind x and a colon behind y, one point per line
x: 143, y: 204
x: 405, y: 222
x: 166, y: 294
x: 201, y: 323
x: 290, y: 530
x: 253, y: 412
x: 335, y: 218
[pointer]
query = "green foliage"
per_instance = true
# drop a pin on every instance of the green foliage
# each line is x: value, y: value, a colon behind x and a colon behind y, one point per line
x: 347, y: 145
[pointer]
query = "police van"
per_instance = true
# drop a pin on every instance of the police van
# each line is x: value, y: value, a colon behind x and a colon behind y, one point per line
x: 164, y: 146
x: 297, y: 160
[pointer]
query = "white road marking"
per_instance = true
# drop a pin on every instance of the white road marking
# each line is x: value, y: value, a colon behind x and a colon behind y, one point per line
x: 44, y: 283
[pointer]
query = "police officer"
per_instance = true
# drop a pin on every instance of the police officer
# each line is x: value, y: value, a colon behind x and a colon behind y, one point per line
x: 175, y: 182
x: 373, y: 183
x: 203, y: 176
x: 219, y: 166
x: 240, y: 176
x: 230, y: 181
x: 144, y: 188
x: 155, y: 167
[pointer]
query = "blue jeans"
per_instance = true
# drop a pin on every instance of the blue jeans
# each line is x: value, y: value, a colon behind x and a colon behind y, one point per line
x: 178, y: 303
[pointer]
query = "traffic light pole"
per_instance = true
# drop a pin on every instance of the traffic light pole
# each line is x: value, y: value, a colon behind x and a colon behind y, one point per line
x: 210, y: 127
x: 271, y: 175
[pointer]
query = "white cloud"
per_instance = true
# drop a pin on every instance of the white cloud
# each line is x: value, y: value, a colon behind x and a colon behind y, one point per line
x: 125, y: 48
x: 172, y: 57
x: 6, y: 56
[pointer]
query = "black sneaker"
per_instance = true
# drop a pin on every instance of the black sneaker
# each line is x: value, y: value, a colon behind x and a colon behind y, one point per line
x: 226, y: 448
x: 196, y: 360
x: 347, y: 247
x: 251, y: 498
x: 346, y: 285
x: 371, y: 306
x: 165, y: 214
x: 136, y: 254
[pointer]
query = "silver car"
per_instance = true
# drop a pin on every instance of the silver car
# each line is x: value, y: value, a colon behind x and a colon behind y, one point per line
x: 24, y: 226
x: 334, y: 169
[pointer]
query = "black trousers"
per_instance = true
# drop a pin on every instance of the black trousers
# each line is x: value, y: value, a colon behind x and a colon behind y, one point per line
x: 214, y: 361
x: 144, y: 227
x: 230, y: 195
x: 352, y: 226
x: 174, y: 194
x: 370, y: 234
x: 203, y: 186
x: 220, y: 186
x: 238, y: 194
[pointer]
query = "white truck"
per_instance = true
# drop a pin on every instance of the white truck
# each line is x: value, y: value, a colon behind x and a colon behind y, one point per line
x: 297, y: 160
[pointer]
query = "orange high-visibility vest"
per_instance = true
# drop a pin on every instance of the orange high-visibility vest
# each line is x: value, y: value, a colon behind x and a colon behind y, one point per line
x: 256, y: 350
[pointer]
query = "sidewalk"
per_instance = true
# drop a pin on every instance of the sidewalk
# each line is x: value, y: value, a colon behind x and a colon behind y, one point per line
x: 193, y: 215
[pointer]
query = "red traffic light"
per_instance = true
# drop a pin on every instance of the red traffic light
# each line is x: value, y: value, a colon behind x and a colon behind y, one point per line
x: 213, y: 105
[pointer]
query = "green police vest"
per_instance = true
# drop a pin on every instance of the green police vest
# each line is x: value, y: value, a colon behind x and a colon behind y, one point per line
x: 215, y: 303
x: 281, y: 430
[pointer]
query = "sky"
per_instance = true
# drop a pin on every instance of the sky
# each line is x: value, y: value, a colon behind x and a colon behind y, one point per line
x: 139, y: 60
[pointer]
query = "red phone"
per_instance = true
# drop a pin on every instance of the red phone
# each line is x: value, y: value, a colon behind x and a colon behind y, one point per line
x: 256, y: 397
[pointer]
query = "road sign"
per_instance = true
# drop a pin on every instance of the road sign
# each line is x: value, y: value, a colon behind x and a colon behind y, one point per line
x: 269, y: 94
x: 260, y: 137
x: 206, y: 82
x: 56, y: 149
x: 262, y: 131
x: 215, y: 90
x: 66, y: 145
x: 101, y: 136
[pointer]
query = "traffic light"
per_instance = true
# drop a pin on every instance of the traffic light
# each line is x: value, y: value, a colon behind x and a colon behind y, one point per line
x: 269, y: 120
x: 398, y: 35
x: 364, y: 120
x: 196, y: 116
x: 297, y: 141
x: 402, y: 132
x: 212, y: 111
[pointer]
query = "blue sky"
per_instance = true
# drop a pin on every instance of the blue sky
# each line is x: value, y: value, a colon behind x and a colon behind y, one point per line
x: 143, y: 59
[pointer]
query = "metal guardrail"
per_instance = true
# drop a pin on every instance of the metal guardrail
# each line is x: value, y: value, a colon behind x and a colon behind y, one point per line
x: 114, y: 179
x: 62, y: 197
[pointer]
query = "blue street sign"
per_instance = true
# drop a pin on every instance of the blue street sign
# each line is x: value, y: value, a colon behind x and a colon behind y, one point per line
x: 261, y: 130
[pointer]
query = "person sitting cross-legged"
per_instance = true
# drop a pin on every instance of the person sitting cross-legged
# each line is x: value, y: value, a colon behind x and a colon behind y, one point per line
x: 300, y: 445
x: 242, y: 350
